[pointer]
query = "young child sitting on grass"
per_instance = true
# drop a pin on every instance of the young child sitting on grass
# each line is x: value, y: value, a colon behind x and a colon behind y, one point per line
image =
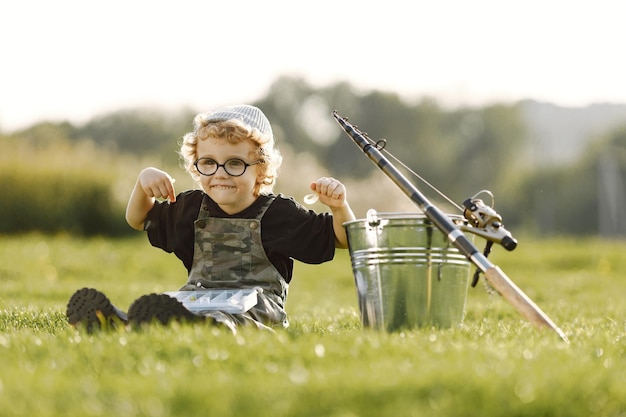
x: 233, y: 233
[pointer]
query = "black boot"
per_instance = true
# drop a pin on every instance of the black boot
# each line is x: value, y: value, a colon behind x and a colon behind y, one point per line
x: 91, y: 309
x: 161, y: 307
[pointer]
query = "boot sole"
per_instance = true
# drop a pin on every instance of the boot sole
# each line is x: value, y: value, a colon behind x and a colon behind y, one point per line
x: 159, y: 308
x: 91, y: 309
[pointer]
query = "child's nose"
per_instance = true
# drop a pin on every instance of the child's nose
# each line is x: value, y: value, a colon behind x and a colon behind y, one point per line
x: 221, y: 172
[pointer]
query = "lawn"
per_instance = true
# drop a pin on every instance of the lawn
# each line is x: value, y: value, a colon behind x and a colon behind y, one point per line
x: 325, y: 364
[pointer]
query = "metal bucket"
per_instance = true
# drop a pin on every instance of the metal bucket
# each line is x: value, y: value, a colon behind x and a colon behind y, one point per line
x: 407, y: 273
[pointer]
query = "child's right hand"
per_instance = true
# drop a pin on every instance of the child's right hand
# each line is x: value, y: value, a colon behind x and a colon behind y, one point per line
x: 156, y: 183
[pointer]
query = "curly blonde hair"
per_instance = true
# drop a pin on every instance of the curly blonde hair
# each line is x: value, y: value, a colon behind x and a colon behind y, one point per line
x: 234, y: 131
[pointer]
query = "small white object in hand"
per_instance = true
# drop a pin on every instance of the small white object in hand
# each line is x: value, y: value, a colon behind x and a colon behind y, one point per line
x: 311, y: 198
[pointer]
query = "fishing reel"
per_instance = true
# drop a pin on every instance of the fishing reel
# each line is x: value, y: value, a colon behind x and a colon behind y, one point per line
x: 485, y: 222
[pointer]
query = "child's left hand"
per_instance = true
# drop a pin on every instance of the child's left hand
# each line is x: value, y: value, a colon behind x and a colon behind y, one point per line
x: 331, y: 192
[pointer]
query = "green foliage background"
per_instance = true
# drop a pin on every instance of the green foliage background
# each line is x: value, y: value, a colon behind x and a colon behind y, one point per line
x: 61, y: 177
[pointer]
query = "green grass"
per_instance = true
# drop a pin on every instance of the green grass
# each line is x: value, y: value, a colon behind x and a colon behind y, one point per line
x: 325, y: 364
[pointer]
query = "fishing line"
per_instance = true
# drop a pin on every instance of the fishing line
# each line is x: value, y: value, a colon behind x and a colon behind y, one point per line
x: 382, y: 143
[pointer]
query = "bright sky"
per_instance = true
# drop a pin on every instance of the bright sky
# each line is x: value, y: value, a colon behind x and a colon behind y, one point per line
x: 73, y: 59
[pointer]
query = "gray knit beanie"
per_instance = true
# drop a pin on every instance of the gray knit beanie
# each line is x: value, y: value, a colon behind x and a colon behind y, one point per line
x: 250, y: 115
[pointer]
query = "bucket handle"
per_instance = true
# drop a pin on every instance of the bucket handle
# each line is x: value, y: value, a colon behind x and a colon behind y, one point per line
x: 372, y: 218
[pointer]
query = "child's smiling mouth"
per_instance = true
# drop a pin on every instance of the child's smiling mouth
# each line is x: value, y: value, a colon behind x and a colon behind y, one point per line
x: 222, y: 187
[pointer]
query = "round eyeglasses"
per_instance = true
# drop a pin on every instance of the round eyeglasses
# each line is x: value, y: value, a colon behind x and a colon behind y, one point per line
x: 234, y: 167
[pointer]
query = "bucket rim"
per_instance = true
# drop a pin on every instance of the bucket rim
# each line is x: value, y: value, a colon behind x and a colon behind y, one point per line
x: 390, y: 215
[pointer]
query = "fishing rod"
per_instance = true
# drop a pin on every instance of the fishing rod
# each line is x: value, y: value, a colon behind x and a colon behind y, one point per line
x: 476, y: 214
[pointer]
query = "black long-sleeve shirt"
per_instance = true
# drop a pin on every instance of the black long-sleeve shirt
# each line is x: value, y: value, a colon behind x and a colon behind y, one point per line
x: 288, y: 230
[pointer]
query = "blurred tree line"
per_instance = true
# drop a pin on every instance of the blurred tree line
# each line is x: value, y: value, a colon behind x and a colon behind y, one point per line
x: 62, y: 177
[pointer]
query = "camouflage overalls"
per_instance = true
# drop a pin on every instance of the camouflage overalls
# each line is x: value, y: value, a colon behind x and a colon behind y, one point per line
x: 228, y: 253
